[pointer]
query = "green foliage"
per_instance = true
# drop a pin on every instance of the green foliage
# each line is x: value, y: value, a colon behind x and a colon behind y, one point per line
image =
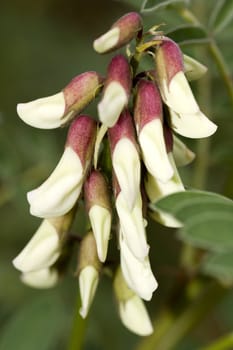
x: 188, y: 34
x: 207, y: 223
x: 149, y: 6
x: 221, y: 16
x: 36, y: 326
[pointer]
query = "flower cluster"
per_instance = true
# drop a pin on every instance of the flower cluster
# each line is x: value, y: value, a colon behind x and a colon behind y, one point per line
x: 138, y: 114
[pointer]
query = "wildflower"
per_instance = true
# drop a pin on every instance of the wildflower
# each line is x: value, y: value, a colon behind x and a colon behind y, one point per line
x: 116, y: 91
x: 132, y: 310
x: 45, y: 247
x: 125, y: 158
x: 186, y: 117
x: 120, y: 34
x: 137, y: 273
x: 88, y: 272
x: 149, y: 125
x: 56, y: 110
x: 132, y: 226
x: 182, y: 154
x: 99, y: 210
x: 58, y: 194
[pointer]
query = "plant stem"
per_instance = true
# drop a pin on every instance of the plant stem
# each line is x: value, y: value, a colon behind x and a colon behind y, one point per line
x: 177, y: 328
x: 78, y: 329
x: 223, y: 343
x: 222, y: 67
x: 215, y: 52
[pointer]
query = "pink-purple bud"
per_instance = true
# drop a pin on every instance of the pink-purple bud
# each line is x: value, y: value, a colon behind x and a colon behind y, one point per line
x: 96, y: 191
x: 169, y: 60
x: 81, y: 91
x: 81, y: 137
x: 119, y: 71
x: 123, y: 128
x: 148, y: 105
x: 120, y: 34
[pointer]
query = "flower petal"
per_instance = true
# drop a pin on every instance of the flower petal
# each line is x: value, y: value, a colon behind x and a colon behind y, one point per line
x: 58, y: 194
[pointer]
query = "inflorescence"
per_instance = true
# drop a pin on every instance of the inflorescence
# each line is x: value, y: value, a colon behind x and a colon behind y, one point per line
x: 138, y: 113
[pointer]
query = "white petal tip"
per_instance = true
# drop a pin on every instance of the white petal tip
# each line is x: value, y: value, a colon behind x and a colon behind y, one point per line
x: 107, y: 41
x: 43, y: 113
x: 192, y: 125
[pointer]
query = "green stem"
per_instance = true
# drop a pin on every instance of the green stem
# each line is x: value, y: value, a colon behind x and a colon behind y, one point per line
x: 223, y: 343
x: 185, y: 321
x: 78, y: 329
x: 215, y: 52
x: 222, y: 67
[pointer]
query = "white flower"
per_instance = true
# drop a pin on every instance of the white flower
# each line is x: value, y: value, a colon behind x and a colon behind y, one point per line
x: 132, y: 226
x: 41, y: 251
x: 112, y: 103
x: 100, y: 219
x: 44, y: 113
x: 156, y: 189
x: 126, y: 164
x: 88, y: 281
x: 44, y: 278
x: 134, y: 316
x: 58, y: 194
x: 151, y: 139
x: 137, y: 273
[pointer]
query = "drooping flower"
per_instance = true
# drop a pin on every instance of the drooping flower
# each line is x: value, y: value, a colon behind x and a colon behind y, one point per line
x: 149, y: 125
x: 125, y: 158
x: 88, y: 272
x: 58, y: 194
x: 137, y: 273
x: 186, y: 117
x: 45, y: 247
x: 182, y: 154
x: 116, y: 91
x: 132, y: 225
x: 131, y: 308
x: 56, y: 110
x: 120, y: 34
x: 98, y: 206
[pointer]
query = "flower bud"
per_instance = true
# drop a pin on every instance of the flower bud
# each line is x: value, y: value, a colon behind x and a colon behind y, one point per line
x: 59, y: 193
x: 42, y: 279
x: 193, y: 69
x: 132, y: 310
x: 45, y: 247
x: 182, y: 154
x: 186, y: 117
x: 98, y: 206
x: 56, y: 110
x: 137, y: 273
x: 125, y: 157
x: 120, y: 34
x: 132, y: 226
x: 88, y: 271
x: 149, y: 124
x: 116, y: 91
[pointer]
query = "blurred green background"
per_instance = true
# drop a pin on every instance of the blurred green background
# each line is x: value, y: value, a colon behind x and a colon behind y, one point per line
x: 43, y: 45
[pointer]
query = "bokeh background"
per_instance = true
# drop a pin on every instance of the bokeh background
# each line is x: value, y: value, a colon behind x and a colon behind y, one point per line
x: 44, y: 44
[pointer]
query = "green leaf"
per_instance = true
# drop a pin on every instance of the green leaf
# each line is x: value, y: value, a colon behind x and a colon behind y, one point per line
x: 149, y: 6
x: 37, y: 326
x: 221, y: 15
x: 207, y: 218
x: 188, y: 34
x: 219, y: 266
